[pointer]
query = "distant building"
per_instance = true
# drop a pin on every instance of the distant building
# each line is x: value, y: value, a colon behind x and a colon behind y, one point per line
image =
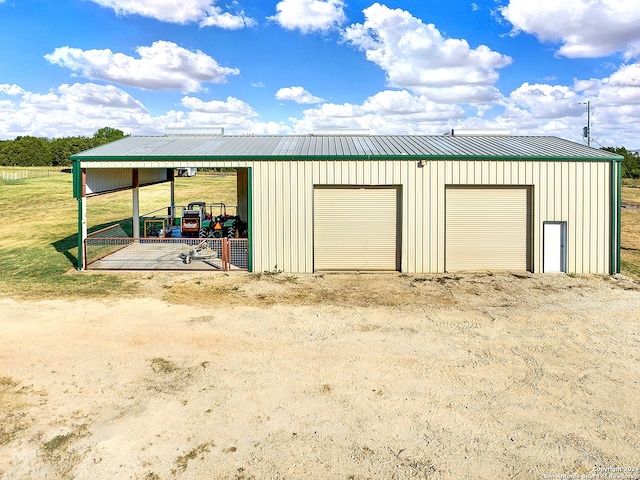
x: 187, y: 172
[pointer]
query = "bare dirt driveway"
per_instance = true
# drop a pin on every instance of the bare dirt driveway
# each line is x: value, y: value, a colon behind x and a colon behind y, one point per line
x: 330, y: 377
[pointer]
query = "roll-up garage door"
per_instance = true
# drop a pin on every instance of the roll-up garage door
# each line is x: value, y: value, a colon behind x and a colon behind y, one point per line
x: 356, y: 228
x: 487, y: 228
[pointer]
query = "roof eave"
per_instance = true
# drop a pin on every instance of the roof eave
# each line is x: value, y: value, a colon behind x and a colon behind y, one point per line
x: 262, y: 158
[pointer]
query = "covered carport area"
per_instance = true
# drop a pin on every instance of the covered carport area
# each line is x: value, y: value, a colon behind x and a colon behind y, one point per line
x: 156, y: 240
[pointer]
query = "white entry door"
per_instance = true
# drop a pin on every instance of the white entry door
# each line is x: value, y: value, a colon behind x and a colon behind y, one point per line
x: 554, y: 247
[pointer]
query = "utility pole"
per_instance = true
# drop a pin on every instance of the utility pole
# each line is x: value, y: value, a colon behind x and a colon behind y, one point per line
x: 586, y: 131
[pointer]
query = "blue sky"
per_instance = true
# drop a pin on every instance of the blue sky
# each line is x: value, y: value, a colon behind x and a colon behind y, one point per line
x: 70, y: 67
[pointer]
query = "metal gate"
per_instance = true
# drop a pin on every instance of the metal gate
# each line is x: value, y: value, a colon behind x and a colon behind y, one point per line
x: 112, y: 249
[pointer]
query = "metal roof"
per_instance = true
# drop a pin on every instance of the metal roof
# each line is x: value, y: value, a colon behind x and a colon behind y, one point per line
x: 287, y: 147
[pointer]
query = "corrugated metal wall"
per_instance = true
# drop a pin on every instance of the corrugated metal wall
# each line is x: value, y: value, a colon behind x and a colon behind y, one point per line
x: 575, y: 192
x: 149, y: 176
x: 107, y: 180
x: 101, y: 180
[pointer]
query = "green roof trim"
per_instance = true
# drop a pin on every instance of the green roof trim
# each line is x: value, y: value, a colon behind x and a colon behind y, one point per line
x: 616, y: 213
x: 250, y: 219
x: 183, y: 158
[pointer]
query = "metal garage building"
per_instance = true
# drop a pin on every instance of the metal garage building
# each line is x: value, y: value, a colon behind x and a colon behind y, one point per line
x: 415, y: 204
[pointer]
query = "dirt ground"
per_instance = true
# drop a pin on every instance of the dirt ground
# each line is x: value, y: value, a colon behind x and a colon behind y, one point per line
x: 473, y: 376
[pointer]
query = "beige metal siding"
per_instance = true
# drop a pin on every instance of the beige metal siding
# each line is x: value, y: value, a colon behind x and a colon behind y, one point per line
x: 101, y: 180
x: 356, y: 228
x: 107, y: 180
x: 286, y: 192
x: 487, y: 228
x: 148, y: 176
x: 560, y: 191
x: 576, y: 192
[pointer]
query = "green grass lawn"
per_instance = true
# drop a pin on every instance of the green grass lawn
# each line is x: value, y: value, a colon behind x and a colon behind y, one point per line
x: 38, y: 232
x: 630, y: 254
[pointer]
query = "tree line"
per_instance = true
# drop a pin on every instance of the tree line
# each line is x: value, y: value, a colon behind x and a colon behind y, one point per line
x: 30, y: 151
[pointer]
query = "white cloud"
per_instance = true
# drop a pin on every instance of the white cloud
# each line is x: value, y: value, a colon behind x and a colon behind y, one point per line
x: 161, y: 66
x: 298, y: 95
x: 561, y: 110
x: 592, y: 28
x: 416, y: 56
x: 621, y: 88
x: 232, y: 107
x: 81, y: 109
x: 233, y: 115
x: 472, y: 94
x: 217, y: 18
x: 78, y: 109
x: 386, y: 112
x: 531, y: 109
x: 328, y: 112
x: 411, y: 107
x: 626, y: 76
x: 309, y: 15
x: 205, y: 12
x: 547, y: 101
x: 11, y: 90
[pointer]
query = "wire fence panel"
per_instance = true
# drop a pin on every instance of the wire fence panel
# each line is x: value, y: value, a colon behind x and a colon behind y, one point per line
x: 113, y: 231
x: 105, y: 242
x: 239, y: 253
x: 216, y: 254
x: 14, y: 175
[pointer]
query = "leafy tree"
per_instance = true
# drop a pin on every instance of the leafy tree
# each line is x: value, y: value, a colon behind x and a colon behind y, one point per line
x: 63, y: 148
x: 28, y: 151
x: 4, y: 157
x: 630, y: 163
x: 108, y: 134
